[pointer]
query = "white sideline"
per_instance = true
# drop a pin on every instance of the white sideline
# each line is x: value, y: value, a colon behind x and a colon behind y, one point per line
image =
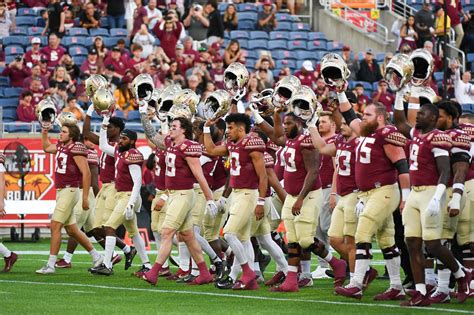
x: 232, y: 296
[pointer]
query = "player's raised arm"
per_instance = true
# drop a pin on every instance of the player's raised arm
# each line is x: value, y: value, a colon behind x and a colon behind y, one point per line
x: 103, y: 143
x: 81, y: 162
x: 211, y: 148
x: 86, y: 128
x: 399, y: 115
x: 152, y: 135
x: 318, y: 141
x: 48, y: 147
x: 348, y: 112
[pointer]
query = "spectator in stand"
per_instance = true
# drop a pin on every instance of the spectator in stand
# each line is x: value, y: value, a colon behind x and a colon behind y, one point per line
x: 74, y: 108
x: 213, y: 23
x: 37, y: 90
x: 455, y: 12
x: 408, y: 33
x: 306, y: 74
x: 252, y: 87
x: 72, y: 69
x: 284, y: 71
x: 322, y: 92
x: 384, y: 96
x: 210, y: 87
x: 438, y: 63
x: 81, y: 90
x: 468, y: 41
x: 424, y: 24
x: 173, y: 74
x: 140, y: 16
x: 16, y: 71
x: 102, y: 51
x: 168, y: 32
x: 189, y: 52
x: 90, y: 17
x: 217, y: 72
x: 109, y: 75
x: 44, y: 19
x: 33, y: 56
x: 230, y: 18
x: 61, y: 77
x: 463, y: 88
x: 352, y: 62
x: 69, y: 19
x: 362, y: 100
x: 116, y: 13
x: 194, y: 84
x: 26, y: 111
x: 120, y: 62
x: 266, y: 65
x: 146, y: 40
x: 59, y: 95
x: 11, y: 11
x: 5, y: 22
x: 233, y: 53
x: 36, y: 73
x: 91, y: 61
x: 173, y: 5
x: 77, y: 7
x: 266, y: 19
x: 123, y: 49
x: 184, y: 62
x: 439, y: 26
x: 56, y: 19
x: 290, y: 5
x: 262, y: 78
x: 44, y: 68
x: 124, y: 98
x: 194, y: 22
x: 154, y: 15
x: 54, y: 51
x: 369, y: 70
x: 136, y: 63
x: 265, y: 59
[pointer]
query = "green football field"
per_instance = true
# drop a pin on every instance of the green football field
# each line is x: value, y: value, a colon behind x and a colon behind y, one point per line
x: 75, y: 291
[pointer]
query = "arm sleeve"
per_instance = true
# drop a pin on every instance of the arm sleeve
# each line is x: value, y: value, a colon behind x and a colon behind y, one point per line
x: 136, y: 173
x: 103, y: 144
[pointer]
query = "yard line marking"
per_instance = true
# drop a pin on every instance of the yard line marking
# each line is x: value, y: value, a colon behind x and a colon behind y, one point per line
x: 86, y: 292
x: 444, y: 310
x: 3, y: 292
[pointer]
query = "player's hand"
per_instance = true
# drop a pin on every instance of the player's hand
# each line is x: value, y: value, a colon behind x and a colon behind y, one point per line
x: 221, y: 204
x: 239, y: 95
x: 454, y: 206
x: 90, y: 110
x: 129, y: 211
x: 159, y: 205
x: 296, y: 209
x: 209, y: 123
x: 142, y: 107
x: 359, y: 208
x: 259, y: 212
x: 85, y: 204
x: 105, y: 120
x: 433, y: 209
x: 332, y: 202
x: 211, y: 208
x: 311, y: 123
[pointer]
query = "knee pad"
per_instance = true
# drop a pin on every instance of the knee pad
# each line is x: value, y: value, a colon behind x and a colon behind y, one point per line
x: 467, y: 251
x: 390, y: 252
x: 307, y: 243
x: 317, y: 247
x: 363, y: 251
x: 294, y: 250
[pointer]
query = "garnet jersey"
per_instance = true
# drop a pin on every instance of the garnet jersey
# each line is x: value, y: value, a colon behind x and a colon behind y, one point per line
x: 423, y: 151
x: 326, y: 168
x: 220, y: 174
x: 67, y: 174
x: 178, y: 175
x: 242, y: 171
x: 345, y: 163
x: 209, y: 167
x: 469, y: 129
x: 279, y: 163
x: 92, y: 157
x: 160, y: 167
x: 107, y: 167
x: 123, y: 178
x: 295, y: 171
x: 373, y: 167
x: 269, y: 163
x: 461, y: 144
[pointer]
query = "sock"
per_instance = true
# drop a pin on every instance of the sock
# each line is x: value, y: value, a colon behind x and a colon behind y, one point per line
x: 184, y: 256
x: 237, y: 248
x: 141, y: 251
x: 153, y: 273
x: 194, y: 268
x: 361, y: 266
x: 126, y: 249
x: 305, y: 266
x: 235, y: 270
x: 323, y: 263
x: 421, y: 287
x: 393, y: 268
x: 4, y: 251
x: 443, y: 280
x: 109, y: 249
x: 228, y: 251
x: 95, y: 254
x: 292, y: 276
x: 275, y: 252
x: 52, y: 260
x: 351, y: 275
x: 175, y: 240
x: 430, y: 276
x: 156, y: 235
x: 249, y: 253
x: 460, y: 272
x: 206, y: 248
x: 203, y: 271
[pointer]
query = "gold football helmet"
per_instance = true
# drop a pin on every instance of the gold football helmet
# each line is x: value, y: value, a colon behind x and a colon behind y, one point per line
x: 93, y: 83
x: 263, y: 102
x: 142, y: 87
x: 304, y: 103
x: 236, y: 77
x: 284, y: 90
x: 423, y: 66
x: 103, y: 101
x: 184, y: 104
x: 217, y: 104
x: 46, y: 113
x: 165, y: 101
x: 334, y: 70
x: 399, y: 72
x: 67, y: 118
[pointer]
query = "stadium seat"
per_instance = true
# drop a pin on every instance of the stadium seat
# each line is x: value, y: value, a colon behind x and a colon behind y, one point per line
x: 470, y: 57
x: 247, y: 16
x: 246, y: 7
x: 25, y: 20
x: 99, y: 32
x: 297, y: 45
x: 74, y: 40
x: 283, y: 17
x: 9, y: 102
x: 320, y: 54
x: 15, y: 40
x: 135, y: 127
x: 34, y: 31
x: 78, y: 51
x: 40, y: 22
x: 283, y: 54
x: 379, y: 57
x: 104, y: 22
x: 239, y: 35
x: 250, y: 63
x: 467, y: 109
x: 119, y: 114
x: 304, y: 55
x: 258, y: 35
x: 279, y: 35
x: 251, y: 54
x: 298, y: 35
x: 438, y: 76
x: 133, y: 116
x: 26, y: 12
x: 277, y: 44
x: 12, y: 92
x: 244, y: 44
x: 298, y: 27
x: 14, y: 50
x: 246, y: 25
x: 285, y: 63
x: 79, y: 60
x: 222, y: 6
x: 4, y: 81
x: 78, y: 31
x: 317, y: 45
x: 257, y: 44
x: 283, y: 26
x: 118, y: 32
x: 18, y: 127
x: 20, y: 31
x: 335, y: 45
x: 316, y: 36
x: 9, y: 114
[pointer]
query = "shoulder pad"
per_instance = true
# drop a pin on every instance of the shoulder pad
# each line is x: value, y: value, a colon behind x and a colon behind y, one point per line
x: 468, y: 129
x: 272, y: 146
x: 78, y: 148
x: 92, y: 157
x: 393, y: 136
x: 269, y: 162
x: 306, y: 142
x: 191, y: 148
x: 254, y: 143
x: 133, y: 156
x: 441, y: 140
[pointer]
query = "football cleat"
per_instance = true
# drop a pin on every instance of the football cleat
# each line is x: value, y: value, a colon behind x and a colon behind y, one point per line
x: 116, y: 259
x: 164, y: 272
x: 224, y: 283
x: 370, y: 276
x: 174, y: 260
x: 391, y: 294
x: 305, y: 281
x: 277, y: 279
x: 463, y: 286
x: 149, y: 278
x: 286, y: 286
x: 141, y: 272
x: 418, y: 299
x: 129, y: 257
x: 320, y: 273
x: 186, y: 279
x: 339, y: 268
x: 439, y: 298
x: 240, y: 285
x: 98, y: 261
x: 179, y: 274
x: 46, y: 270
x: 62, y: 264
x: 102, y: 270
x: 350, y: 291
x: 202, y: 279
x: 263, y: 262
x: 219, y: 270
x: 9, y: 262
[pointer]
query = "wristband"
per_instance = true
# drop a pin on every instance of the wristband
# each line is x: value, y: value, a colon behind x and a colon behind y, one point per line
x: 164, y: 197
x: 260, y: 202
x: 333, y: 194
x: 413, y: 106
x: 206, y: 129
x: 342, y: 98
x: 456, y: 201
x: 405, y: 193
x: 458, y: 186
x: 90, y: 110
x: 398, y: 102
x: 258, y: 118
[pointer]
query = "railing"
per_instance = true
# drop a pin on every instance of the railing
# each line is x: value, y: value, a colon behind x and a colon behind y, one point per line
x: 308, y: 4
x: 459, y: 52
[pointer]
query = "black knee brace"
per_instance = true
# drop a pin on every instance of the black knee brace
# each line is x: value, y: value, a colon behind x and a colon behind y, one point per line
x: 317, y: 247
x: 468, y: 252
x: 294, y: 250
x: 391, y: 252
x: 363, y: 251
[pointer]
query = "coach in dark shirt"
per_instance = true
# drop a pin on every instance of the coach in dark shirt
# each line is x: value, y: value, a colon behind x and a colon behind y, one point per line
x: 424, y: 21
x: 215, y: 29
x: 56, y: 18
x: 369, y: 70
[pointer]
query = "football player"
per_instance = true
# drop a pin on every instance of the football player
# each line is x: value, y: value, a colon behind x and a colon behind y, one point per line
x: 429, y: 174
x: 128, y: 180
x: 183, y: 168
x: 8, y: 256
x: 71, y: 168
x: 248, y: 180
x: 380, y: 163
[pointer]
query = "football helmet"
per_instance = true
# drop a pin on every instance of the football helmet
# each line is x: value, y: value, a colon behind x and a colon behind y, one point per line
x: 46, y: 113
x: 334, y: 70
x: 103, y: 101
x: 93, y: 83
x: 304, y: 103
x: 399, y: 72
x: 184, y: 104
x: 67, y: 118
x: 217, y: 104
x: 165, y: 101
x: 423, y: 66
x: 142, y: 87
x: 236, y: 77
x: 284, y: 90
x: 263, y: 102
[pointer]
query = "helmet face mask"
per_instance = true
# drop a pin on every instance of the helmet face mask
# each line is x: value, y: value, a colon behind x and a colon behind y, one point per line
x: 304, y: 103
x: 334, y: 70
x: 284, y: 90
x: 263, y: 101
x: 399, y: 72
x: 142, y: 87
x: 165, y: 101
x: 236, y: 77
x: 46, y: 113
x: 104, y: 102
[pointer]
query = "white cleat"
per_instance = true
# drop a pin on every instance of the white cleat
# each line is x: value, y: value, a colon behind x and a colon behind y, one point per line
x: 46, y: 270
x: 320, y: 273
x: 98, y: 262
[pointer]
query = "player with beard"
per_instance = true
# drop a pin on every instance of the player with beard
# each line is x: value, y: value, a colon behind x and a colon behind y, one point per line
x: 343, y: 220
x: 248, y: 181
x: 303, y: 201
x: 128, y: 180
x: 380, y: 157
x: 8, y: 256
x: 71, y: 169
x: 183, y: 168
x: 422, y: 215
x: 105, y: 199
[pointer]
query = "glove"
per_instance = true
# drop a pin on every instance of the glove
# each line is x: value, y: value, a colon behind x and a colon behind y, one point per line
x: 211, y: 208
x: 90, y: 110
x: 313, y: 120
x: 165, y: 128
x: 256, y: 115
x: 433, y: 208
x: 142, y: 107
x: 221, y: 204
x: 359, y: 208
x: 105, y: 120
x: 129, y: 211
x: 239, y: 95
